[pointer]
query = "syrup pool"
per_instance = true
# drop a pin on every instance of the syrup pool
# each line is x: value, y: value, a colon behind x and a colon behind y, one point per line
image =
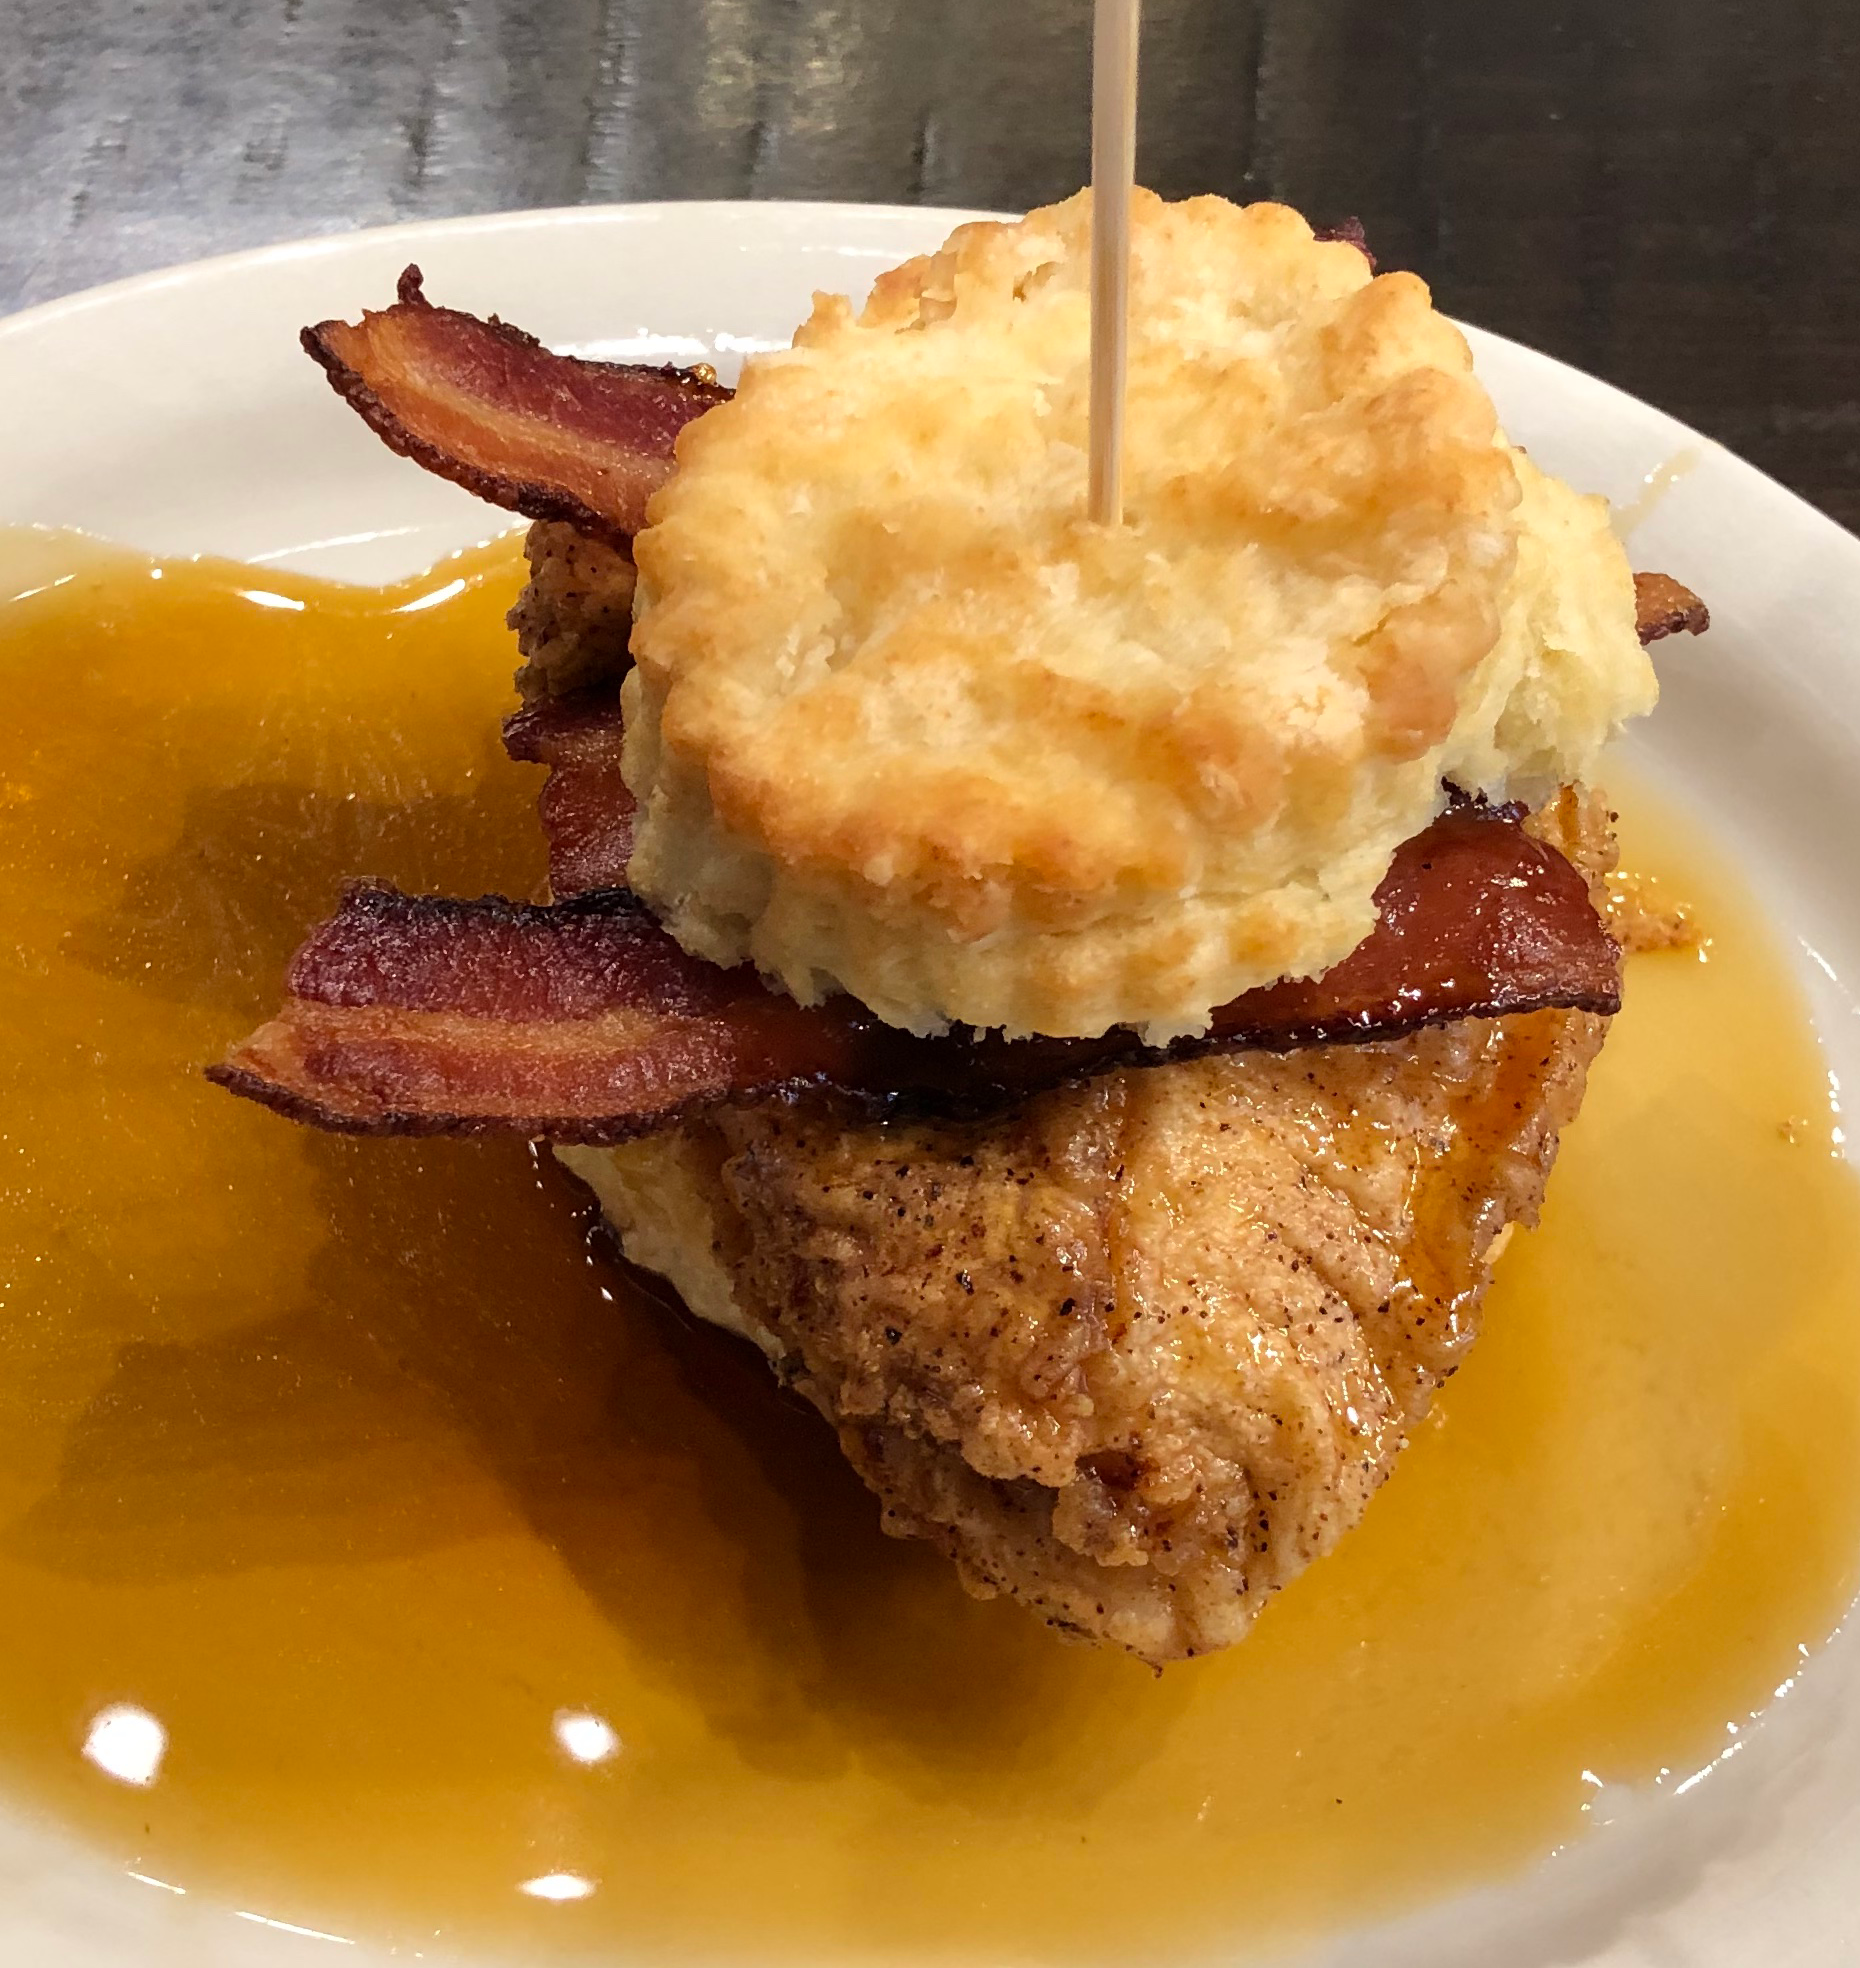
x: 379, y: 1555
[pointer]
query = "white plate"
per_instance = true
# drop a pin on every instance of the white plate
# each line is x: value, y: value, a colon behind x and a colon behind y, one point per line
x: 175, y: 413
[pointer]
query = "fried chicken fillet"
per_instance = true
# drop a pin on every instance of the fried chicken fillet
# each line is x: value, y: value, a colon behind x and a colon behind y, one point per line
x: 1139, y: 1352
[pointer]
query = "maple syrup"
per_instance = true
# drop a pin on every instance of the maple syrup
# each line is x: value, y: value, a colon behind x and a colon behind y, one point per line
x: 379, y: 1555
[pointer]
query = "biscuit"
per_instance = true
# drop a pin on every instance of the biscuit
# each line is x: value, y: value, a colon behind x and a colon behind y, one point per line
x: 904, y: 723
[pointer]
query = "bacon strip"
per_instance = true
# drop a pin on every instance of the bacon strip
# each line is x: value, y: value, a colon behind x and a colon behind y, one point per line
x: 584, y: 1021
x: 490, y: 408
x: 1663, y: 607
x: 1351, y: 232
x: 585, y: 807
x: 554, y: 437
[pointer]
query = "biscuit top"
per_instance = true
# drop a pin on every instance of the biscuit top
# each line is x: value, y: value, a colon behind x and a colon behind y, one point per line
x: 905, y: 723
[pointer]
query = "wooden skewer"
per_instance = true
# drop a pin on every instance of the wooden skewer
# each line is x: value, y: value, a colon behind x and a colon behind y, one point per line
x: 1113, y: 174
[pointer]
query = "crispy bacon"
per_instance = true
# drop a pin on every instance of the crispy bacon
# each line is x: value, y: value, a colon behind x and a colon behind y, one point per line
x: 584, y: 1021
x: 1663, y: 607
x: 585, y: 807
x: 1351, y: 232
x: 492, y: 409
x: 555, y: 437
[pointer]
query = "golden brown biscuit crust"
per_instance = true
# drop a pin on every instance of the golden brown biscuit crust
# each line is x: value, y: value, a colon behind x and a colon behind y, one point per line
x: 905, y: 722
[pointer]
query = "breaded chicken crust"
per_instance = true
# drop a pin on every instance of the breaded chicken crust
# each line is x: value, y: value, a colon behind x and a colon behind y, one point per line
x: 1140, y: 1352
x: 575, y: 614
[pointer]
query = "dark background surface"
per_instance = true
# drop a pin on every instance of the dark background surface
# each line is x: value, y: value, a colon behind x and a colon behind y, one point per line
x: 1662, y: 191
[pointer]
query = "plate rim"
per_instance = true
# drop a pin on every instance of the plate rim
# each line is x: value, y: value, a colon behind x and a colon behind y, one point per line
x: 306, y: 248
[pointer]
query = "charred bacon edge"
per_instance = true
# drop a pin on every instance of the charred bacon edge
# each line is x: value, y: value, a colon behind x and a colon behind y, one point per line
x: 403, y: 1009
x: 533, y: 498
x: 1664, y: 607
x: 612, y: 1130
x: 1348, y: 232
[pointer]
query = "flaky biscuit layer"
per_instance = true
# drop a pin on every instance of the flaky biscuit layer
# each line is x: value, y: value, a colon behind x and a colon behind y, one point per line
x: 905, y: 723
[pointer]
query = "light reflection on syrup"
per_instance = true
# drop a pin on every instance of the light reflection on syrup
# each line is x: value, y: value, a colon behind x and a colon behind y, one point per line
x: 292, y: 1927
x: 148, y: 1879
x: 558, y: 1887
x: 355, y: 1467
x: 585, y: 1738
x: 1655, y: 486
x: 127, y: 1743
